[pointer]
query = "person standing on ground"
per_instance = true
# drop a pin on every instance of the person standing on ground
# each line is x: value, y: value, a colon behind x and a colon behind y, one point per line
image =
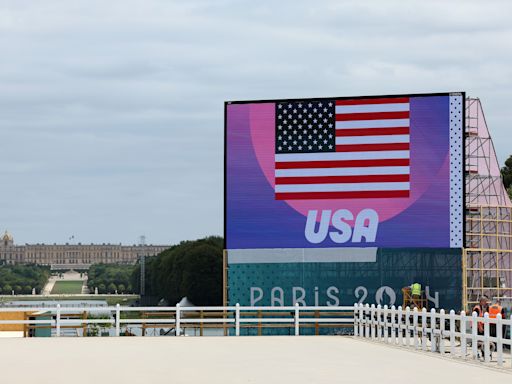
x: 494, y: 309
x: 481, y: 308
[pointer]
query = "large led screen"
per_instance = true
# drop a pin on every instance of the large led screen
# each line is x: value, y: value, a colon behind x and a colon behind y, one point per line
x: 373, y: 171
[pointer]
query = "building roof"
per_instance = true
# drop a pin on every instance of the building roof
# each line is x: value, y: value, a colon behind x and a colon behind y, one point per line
x: 7, y: 236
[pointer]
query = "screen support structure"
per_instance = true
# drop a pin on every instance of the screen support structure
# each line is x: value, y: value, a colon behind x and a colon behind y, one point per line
x: 487, y: 256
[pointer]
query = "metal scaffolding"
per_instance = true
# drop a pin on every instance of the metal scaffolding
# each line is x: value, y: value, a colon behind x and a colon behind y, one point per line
x: 487, y: 256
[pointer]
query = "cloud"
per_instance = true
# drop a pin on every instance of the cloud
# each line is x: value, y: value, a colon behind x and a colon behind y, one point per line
x: 111, y: 113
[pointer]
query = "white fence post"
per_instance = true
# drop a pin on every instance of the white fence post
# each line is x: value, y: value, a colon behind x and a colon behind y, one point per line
x: 510, y: 336
x: 379, y: 322
x: 452, y: 333
x: 297, y: 325
x: 442, y: 326
x: 424, y: 329
x: 372, y: 321
x: 178, y: 318
x: 433, y: 327
x: 463, y: 333
x: 407, y: 326
x: 366, y: 321
x: 393, y: 325
x: 386, y: 325
x: 415, y: 327
x: 499, y: 336
x: 487, y: 345
x: 118, y: 320
x: 474, y: 336
x: 57, y: 325
x: 361, y: 318
x: 399, y: 323
x: 237, y: 319
x: 356, y: 321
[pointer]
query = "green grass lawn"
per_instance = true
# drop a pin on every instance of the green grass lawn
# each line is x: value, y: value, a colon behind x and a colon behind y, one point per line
x: 67, y: 286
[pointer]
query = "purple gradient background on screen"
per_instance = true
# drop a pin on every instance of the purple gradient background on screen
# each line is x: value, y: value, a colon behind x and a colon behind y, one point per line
x: 254, y: 219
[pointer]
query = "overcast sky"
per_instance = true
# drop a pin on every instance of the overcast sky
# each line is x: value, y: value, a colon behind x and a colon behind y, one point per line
x: 111, y: 112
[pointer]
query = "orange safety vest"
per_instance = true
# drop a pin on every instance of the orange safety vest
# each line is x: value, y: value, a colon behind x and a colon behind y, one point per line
x: 494, y: 310
x: 478, y: 309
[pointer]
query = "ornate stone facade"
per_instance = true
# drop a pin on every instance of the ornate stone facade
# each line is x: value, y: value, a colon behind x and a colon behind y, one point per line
x: 73, y: 255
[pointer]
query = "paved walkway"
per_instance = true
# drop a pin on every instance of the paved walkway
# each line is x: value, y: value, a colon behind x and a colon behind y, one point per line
x: 68, y: 275
x: 308, y: 359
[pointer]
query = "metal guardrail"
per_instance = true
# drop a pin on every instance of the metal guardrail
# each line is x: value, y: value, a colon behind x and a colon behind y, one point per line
x: 230, y: 317
x: 435, y: 331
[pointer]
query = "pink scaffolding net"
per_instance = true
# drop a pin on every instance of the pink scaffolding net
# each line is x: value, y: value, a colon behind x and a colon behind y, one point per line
x: 484, y: 186
x: 488, y: 253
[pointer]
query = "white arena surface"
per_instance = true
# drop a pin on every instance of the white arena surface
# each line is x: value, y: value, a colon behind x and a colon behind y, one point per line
x: 324, y: 359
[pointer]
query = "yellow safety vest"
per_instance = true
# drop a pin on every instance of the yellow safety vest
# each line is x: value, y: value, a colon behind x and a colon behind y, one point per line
x: 416, y: 289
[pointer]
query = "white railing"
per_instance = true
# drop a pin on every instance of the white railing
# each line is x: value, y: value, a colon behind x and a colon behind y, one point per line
x: 445, y: 333
x: 179, y: 318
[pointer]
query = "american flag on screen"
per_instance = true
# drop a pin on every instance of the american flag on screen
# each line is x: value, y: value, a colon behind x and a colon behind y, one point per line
x: 336, y: 149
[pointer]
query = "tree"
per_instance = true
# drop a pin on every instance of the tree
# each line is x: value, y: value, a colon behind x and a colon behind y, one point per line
x: 121, y: 288
x: 506, y: 172
x: 192, y: 269
x: 22, y: 276
x: 112, y: 288
x: 27, y: 289
x: 102, y: 288
x: 201, y: 280
x: 18, y: 289
x: 7, y: 289
x: 109, y: 274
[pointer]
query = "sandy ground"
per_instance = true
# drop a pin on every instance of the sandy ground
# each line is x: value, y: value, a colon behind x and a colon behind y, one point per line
x: 297, y: 360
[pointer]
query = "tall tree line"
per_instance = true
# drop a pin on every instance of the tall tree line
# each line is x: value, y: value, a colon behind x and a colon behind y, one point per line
x: 23, y: 278
x: 191, y: 269
x: 506, y: 174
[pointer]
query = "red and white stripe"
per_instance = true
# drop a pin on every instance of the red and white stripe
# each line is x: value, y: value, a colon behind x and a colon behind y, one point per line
x: 372, y: 158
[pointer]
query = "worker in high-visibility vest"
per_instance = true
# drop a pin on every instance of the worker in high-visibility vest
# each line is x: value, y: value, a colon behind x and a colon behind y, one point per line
x: 416, y: 290
x: 481, y: 308
x: 494, y: 309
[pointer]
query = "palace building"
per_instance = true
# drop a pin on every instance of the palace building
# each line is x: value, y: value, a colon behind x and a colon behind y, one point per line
x: 77, y: 256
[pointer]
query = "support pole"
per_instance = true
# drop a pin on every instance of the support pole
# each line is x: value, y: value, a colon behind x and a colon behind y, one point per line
x: 463, y: 341
x: 296, y: 319
x: 433, y: 330
x: 499, y: 337
x: 118, y: 320
x: 178, y: 318
x: 487, y: 342
x: 424, y: 329
x: 237, y: 319
x: 57, y: 325
x: 415, y: 327
x: 442, y: 324
x: 452, y: 333
x: 474, y: 336
x: 356, y: 326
